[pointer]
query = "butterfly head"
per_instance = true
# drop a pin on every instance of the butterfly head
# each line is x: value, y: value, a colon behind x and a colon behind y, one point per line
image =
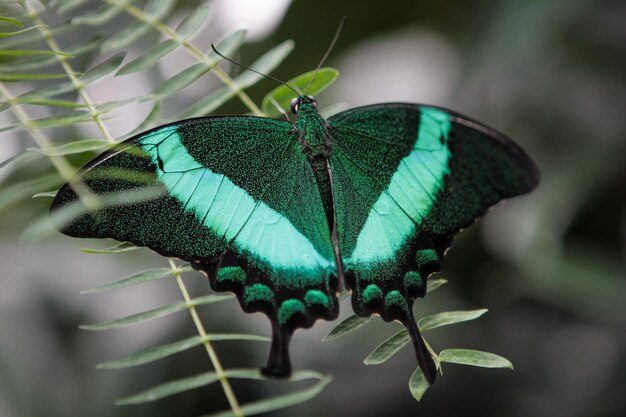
x: 301, y: 101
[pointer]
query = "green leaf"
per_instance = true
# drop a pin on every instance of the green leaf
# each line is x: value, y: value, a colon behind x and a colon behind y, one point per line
x: 73, y: 147
x: 33, y: 36
x: 351, y: 323
x: 156, y: 312
x: 280, y: 401
x: 191, y: 74
x: 108, y: 106
x: 18, y: 32
x: 154, y: 10
x: 159, y: 352
x: 448, y: 317
x: 95, y: 73
x: 200, y: 380
x: 47, y: 194
x: 265, y: 64
x: 55, y: 103
x: 103, y: 69
x: 474, y: 358
x: 392, y: 345
x: 138, y: 278
x: 11, y: 20
x: 179, y: 81
x: 194, y: 21
x: 152, y: 354
x: 149, y: 58
x: 31, y: 52
x: 170, y: 388
x: 122, y: 247
x: 281, y: 96
x: 433, y: 284
x: 43, y: 61
x: 68, y: 118
x: 18, y: 159
x: 66, y: 6
x: 388, y: 348
x: 24, y: 190
x: 187, y: 28
x: 12, y: 77
x: 418, y: 384
x: 101, y: 15
x: 37, y: 62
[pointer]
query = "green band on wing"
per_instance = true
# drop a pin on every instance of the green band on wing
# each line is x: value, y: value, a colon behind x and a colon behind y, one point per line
x: 254, y: 229
x: 410, y: 195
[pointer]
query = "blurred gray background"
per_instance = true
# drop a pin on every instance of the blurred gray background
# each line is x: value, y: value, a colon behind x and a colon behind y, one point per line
x: 550, y: 266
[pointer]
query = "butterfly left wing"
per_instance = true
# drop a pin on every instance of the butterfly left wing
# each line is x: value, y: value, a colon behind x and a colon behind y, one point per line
x: 406, y: 179
x: 234, y: 196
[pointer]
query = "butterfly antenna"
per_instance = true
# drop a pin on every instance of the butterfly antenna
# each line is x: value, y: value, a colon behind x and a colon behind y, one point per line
x: 298, y: 93
x: 330, y: 48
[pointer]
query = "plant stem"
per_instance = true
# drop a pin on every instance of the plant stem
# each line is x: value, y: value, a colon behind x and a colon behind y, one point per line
x: 217, y: 365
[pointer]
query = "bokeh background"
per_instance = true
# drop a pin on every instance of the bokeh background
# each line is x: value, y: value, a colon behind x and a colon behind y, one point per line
x: 550, y: 266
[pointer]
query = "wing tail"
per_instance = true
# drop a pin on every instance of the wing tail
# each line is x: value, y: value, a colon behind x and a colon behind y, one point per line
x: 424, y: 358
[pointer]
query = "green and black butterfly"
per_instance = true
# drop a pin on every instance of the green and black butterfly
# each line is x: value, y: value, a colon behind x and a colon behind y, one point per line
x: 286, y: 214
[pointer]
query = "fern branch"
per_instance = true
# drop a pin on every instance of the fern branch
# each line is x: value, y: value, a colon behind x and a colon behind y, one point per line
x: 217, y: 365
x: 62, y: 166
x: 71, y: 74
x: 193, y: 50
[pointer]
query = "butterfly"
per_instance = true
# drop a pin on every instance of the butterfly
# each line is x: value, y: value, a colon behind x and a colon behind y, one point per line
x: 286, y: 214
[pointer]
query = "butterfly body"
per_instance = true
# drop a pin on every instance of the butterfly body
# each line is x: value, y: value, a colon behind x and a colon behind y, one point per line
x: 285, y: 214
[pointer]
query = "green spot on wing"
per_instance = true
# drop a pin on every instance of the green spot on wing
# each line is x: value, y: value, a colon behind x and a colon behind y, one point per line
x: 316, y: 297
x: 412, y: 279
x: 231, y: 274
x: 258, y: 292
x: 425, y: 256
x: 371, y: 293
x: 396, y: 299
x: 288, y: 308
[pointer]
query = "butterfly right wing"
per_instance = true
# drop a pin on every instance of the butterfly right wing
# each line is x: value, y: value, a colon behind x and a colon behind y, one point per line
x: 407, y: 178
x: 232, y: 195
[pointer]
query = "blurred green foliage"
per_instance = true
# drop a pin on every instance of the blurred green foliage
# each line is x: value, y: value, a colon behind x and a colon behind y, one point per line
x: 550, y: 266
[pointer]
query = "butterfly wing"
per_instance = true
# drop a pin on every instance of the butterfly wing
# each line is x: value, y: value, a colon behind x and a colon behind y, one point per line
x: 407, y: 178
x: 236, y: 197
